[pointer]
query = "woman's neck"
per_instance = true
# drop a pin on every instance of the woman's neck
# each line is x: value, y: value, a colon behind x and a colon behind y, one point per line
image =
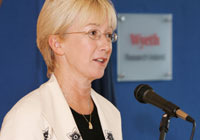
x: 76, y: 91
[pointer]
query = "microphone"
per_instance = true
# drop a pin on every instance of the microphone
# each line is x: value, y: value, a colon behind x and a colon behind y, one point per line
x: 145, y: 94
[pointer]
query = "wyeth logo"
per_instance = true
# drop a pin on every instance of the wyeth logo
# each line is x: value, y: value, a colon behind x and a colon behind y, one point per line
x: 145, y: 41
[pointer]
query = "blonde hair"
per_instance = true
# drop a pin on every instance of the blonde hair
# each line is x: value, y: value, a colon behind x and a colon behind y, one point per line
x: 57, y: 16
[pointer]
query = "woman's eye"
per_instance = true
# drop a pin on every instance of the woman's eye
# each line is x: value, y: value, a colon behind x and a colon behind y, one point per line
x: 93, y: 32
x: 109, y: 35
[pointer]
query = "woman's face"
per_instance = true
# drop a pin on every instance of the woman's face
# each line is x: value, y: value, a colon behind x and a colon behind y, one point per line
x: 84, y: 56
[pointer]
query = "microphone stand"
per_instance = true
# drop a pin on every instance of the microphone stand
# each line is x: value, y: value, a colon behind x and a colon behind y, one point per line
x: 164, y: 125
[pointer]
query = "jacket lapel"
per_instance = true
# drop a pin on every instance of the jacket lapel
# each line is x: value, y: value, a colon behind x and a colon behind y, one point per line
x: 104, y: 115
x: 57, y: 112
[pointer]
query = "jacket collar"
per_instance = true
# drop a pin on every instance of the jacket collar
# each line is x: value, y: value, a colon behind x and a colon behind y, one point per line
x: 58, y: 113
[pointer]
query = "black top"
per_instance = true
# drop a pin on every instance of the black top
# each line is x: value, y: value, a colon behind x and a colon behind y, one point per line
x: 89, y: 134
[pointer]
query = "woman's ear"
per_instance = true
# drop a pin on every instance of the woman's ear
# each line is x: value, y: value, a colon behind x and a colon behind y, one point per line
x: 55, y: 44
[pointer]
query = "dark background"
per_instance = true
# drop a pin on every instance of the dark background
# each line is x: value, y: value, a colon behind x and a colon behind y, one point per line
x: 22, y: 68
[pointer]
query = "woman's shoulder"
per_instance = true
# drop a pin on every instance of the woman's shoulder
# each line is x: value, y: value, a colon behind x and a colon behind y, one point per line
x: 31, y: 103
x: 25, y: 119
x: 26, y: 107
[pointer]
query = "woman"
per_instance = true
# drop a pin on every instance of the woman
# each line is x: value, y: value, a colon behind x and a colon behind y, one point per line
x: 75, y: 38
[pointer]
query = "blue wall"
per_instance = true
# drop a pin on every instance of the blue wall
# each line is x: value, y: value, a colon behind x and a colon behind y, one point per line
x: 141, y: 121
x: 21, y: 65
x: 19, y: 74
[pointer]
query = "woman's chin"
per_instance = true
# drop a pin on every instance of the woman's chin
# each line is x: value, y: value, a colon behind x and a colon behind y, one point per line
x: 97, y: 75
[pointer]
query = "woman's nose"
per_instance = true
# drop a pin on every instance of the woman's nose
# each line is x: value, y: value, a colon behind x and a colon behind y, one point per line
x: 105, y: 44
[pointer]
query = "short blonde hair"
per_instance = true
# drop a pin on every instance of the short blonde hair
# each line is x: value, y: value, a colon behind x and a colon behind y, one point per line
x: 57, y: 16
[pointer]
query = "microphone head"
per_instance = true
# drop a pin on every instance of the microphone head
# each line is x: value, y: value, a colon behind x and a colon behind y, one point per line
x: 139, y: 92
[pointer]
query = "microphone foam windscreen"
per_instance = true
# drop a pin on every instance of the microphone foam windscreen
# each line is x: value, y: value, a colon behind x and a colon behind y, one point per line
x: 139, y: 92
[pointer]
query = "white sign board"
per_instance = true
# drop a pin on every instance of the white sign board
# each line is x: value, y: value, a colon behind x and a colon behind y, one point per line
x: 144, y: 47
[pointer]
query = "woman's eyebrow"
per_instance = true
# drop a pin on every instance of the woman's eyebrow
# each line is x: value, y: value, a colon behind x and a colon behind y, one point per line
x: 94, y: 24
x: 98, y: 25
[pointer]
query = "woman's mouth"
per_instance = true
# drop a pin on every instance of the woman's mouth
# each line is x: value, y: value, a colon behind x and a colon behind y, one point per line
x: 100, y: 60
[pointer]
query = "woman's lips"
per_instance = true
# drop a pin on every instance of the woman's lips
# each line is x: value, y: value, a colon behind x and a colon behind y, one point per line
x: 100, y: 60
